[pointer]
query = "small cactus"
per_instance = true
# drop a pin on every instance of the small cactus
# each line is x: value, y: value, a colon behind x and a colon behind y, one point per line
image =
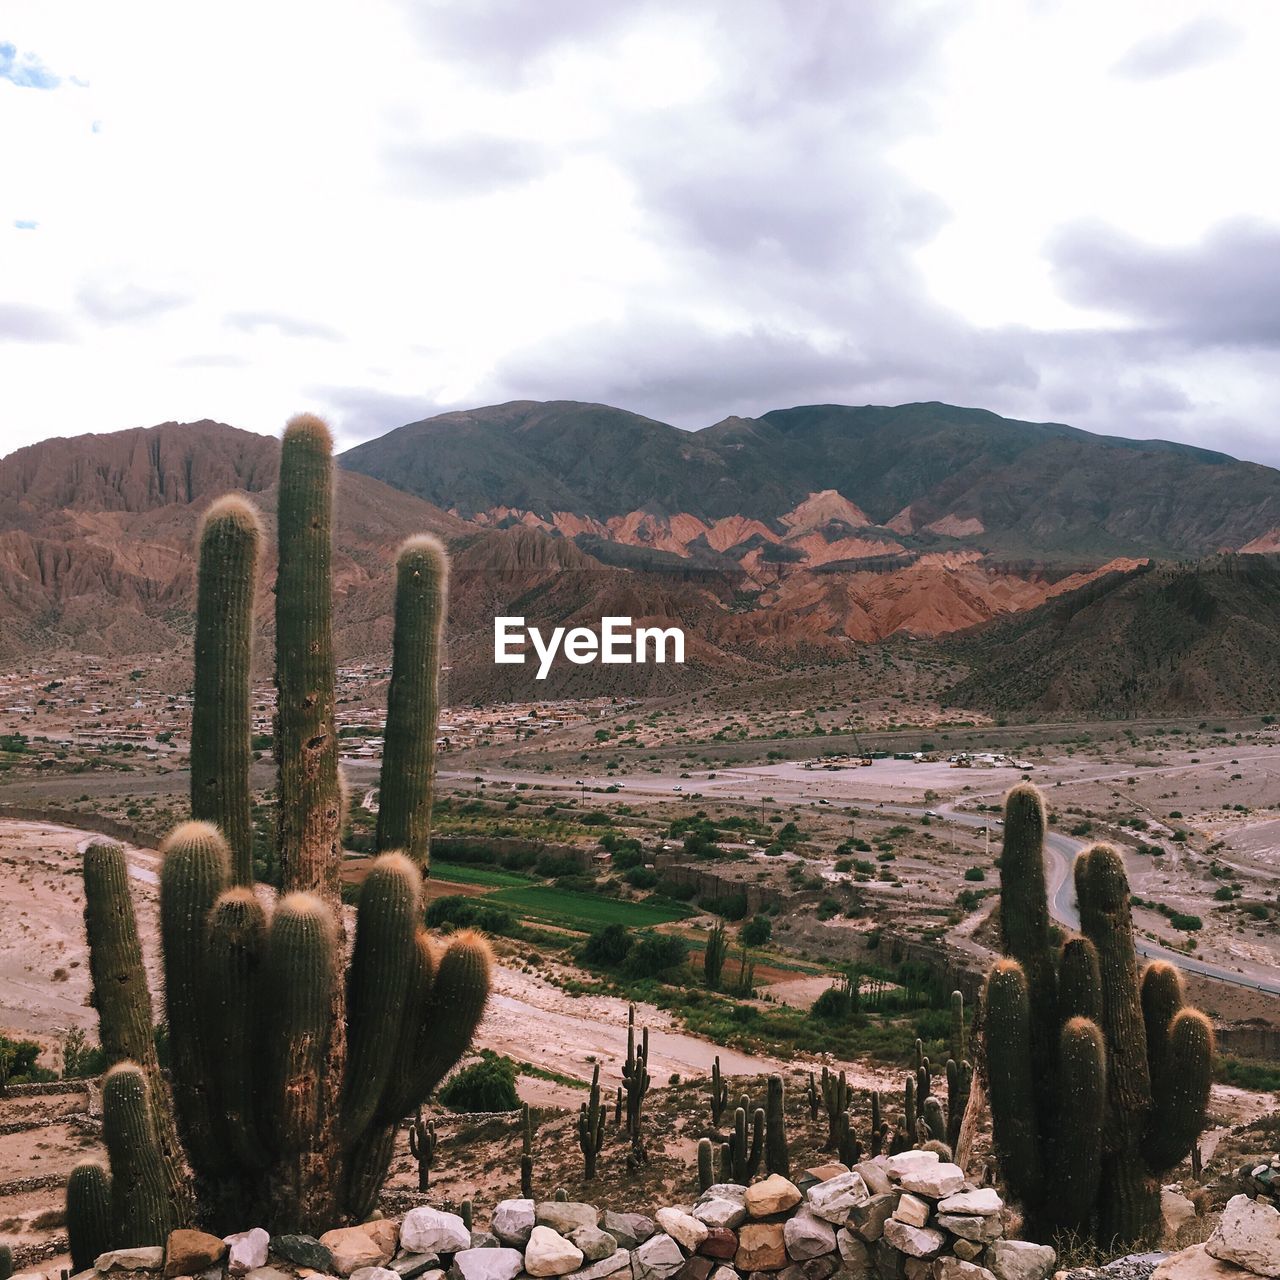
x: 719, y: 1092
x: 422, y: 1147
x: 88, y: 1214
x: 777, y: 1157
x: 591, y: 1126
x: 706, y: 1173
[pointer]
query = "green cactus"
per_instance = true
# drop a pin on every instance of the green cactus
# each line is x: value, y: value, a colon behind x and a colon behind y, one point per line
x: 526, y: 1152
x: 1098, y: 1080
x: 636, y: 1082
x: 719, y: 1092
x: 591, y: 1126
x: 848, y: 1148
x: 835, y: 1096
x: 6, y: 1262
x: 812, y: 1098
x: 740, y: 1156
x: 221, y: 725
x: 89, y: 1231
x: 777, y: 1156
x: 413, y: 702
x: 142, y: 1211
x: 422, y: 1147
x: 959, y: 1035
x: 959, y: 1087
x: 706, y: 1171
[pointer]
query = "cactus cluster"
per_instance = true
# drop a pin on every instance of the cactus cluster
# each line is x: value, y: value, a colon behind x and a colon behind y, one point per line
x: 591, y: 1126
x: 290, y: 1077
x: 635, y: 1085
x: 1098, y: 1075
x: 422, y: 1147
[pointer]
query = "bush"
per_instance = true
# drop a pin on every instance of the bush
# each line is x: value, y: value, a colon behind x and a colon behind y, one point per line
x: 654, y: 954
x: 487, y: 1085
x: 756, y: 932
x: 731, y: 908
x: 470, y: 913
x: 641, y: 877
x: 833, y: 1005
x: 608, y: 946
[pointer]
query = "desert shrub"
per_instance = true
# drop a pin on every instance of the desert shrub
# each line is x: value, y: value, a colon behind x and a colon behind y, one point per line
x: 757, y: 931
x: 487, y: 1085
x: 470, y: 913
x: 608, y: 946
x: 654, y: 954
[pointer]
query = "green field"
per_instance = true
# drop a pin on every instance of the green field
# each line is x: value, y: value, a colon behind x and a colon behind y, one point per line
x: 465, y: 873
x: 584, y: 910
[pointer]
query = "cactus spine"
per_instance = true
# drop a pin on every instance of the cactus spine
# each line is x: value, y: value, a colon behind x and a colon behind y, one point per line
x: 777, y: 1157
x: 1098, y: 1080
x: 220, y: 722
x: 287, y: 1099
x: 88, y: 1214
x: 591, y: 1126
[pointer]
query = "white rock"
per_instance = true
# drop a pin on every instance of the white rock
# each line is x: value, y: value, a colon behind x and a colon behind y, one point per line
x: 145, y: 1259
x: 375, y: 1273
x: 834, y: 1198
x: 984, y: 1201
x: 428, y: 1230
x: 246, y: 1250
x: 936, y: 1181
x: 915, y: 1242
x: 485, y: 1264
x: 656, y: 1259
x: 725, y: 1191
x: 958, y: 1269
x: 907, y: 1161
x: 972, y: 1226
x: 512, y: 1222
x: 1021, y: 1260
x: 619, y: 1261
x: 686, y: 1230
x: 548, y: 1253
x: 721, y: 1213
x: 808, y: 1236
x: 912, y: 1210
x: 1248, y: 1235
x: 724, y: 1273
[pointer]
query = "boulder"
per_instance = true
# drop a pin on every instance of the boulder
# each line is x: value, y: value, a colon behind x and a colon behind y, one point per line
x: 275, y: 1273
x: 485, y: 1264
x: 721, y: 1244
x: 354, y: 1248
x: 548, y: 1253
x: 888, y: 1262
x: 695, y: 1268
x: 805, y: 1236
x: 967, y: 1250
x: 972, y: 1227
x: 1021, y: 1260
x: 596, y: 1245
x: 724, y: 1273
x: 1195, y: 1263
x: 775, y: 1194
x: 188, y: 1252
x: 834, y: 1198
x: 912, y: 1210
x: 617, y: 1262
x: 1249, y: 1236
x: 762, y: 1246
x: 875, y: 1175
x: 512, y: 1221
x: 915, y: 1242
x: 246, y: 1250
x: 959, y: 1269
x: 564, y: 1216
x: 686, y: 1230
x: 825, y: 1172
x: 1175, y: 1211
x: 725, y: 1191
x: 374, y: 1273
x: 918, y: 1269
x: 428, y: 1230
x: 721, y: 1213
x: 868, y: 1219
x: 909, y: 1162
x: 303, y: 1251
x: 657, y: 1258
x: 937, y: 1181
x: 628, y: 1229
x: 409, y: 1266
x: 984, y: 1201
x: 150, y: 1258
x: 823, y: 1268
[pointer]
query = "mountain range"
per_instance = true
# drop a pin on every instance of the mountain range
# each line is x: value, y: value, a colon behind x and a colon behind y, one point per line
x: 787, y: 538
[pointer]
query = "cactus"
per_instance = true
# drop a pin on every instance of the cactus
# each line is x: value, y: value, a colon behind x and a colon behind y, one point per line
x: 526, y: 1152
x: 466, y: 1212
x: 6, y: 1262
x: 1098, y: 1079
x: 740, y: 1157
x: 636, y: 1081
x: 719, y: 1092
x: 706, y: 1170
x: 959, y: 1035
x: 422, y: 1147
x: 88, y: 1214
x: 777, y: 1157
x: 591, y: 1126
x: 290, y: 1077
x: 835, y: 1095
x: 713, y: 958
x: 959, y: 1087
x: 220, y: 720
x: 812, y: 1098
x: 848, y: 1148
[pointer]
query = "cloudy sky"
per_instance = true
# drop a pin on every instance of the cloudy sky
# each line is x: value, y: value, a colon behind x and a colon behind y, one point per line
x: 387, y: 208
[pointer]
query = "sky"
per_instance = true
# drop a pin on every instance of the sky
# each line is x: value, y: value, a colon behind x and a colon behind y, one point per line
x: 385, y: 209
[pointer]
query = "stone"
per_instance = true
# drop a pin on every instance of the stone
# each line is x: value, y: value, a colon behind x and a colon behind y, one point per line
x: 695, y: 1268
x: 984, y: 1201
x: 410, y: 1266
x: 724, y: 1273
x: 775, y: 1194
x: 875, y: 1175
x: 657, y: 1258
x: 610, y: 1266
x: 148, y: 1259
x: 805, y: 1236
x: 725, y: 1191
x: 354, y: 1248
x: 596, y: 1245
x: 967, y: 1250
x: 428, y: 1230
x: 275, y: 1273
x: 548, y: 1253
x: 912, y: 1210
x: 721, y: 1213
x: 485, y: 1264
x: 303, y: 1251
x: 918, y: 1269
x: 915, y: 1242
x: 1195, y: 1263
x: 909, y: 1162
x: 825, y: 1172
x: 485, y: 1240
x: 972, y: 1227
x: 628, y: 1229
x: 564, y: 1216
x: 189, y: 1252
x: 512, y: 1221
x: 246, y: 1250
x: 762, y: 1246
x: 721, y: 1243
x: 374, y: 1273
x: 937, y: 1181
x: 852, y: 1250
x: 888, y: 1262
x: 822, y: 1268
x: 834, y: 1198
x: 1249, y: 1236
x: 1175, y: 1211
x: 868, y: 1219
x: 1021, y: 1260
x: 686, y: 1230
x: 959, y: 1269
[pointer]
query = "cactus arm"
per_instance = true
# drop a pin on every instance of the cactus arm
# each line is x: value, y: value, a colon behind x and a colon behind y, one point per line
x: 89, y: 1225
x: 1079, y: 980
x: 141, y: 1208
x: 1162, y: 999
x: 1082, y: 1090
x: 777, y: 1155
x: 1181, y: 1090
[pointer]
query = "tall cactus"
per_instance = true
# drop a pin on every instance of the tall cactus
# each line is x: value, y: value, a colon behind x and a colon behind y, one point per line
x: 290, y: 1078
x: 636, y: 1082
x: 1098, y: 1077
x: 526, y: 1151
x: 777, y: 1156
x: 591, y: 1127
x: 719, y: 1092
x: 740, y: 1156
x: 221, y: 724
